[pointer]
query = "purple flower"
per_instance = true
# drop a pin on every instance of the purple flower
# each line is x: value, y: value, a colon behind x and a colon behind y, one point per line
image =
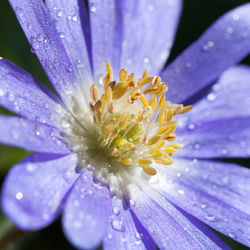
x: 110, y: 177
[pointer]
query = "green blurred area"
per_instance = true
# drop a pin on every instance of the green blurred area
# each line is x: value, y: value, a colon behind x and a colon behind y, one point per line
x: 197, y: 16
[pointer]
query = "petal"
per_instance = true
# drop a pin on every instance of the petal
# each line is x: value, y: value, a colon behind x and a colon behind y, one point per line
x: 214, y: 192
x: 106, y: 35
x: 71, y: 18
x: 224, y: 44
x: 228, y: 98
x: 30, y: 135
x: 44, y: 38
x: 21, y: 93
x: 86, y: 214
x: 34, y: 190
x: 125, y: 231
x: 149, y: 29
x: 227, y: 137
x: 166, y: 225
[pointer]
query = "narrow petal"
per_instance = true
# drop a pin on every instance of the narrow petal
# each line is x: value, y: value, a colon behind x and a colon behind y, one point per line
x: 149, y: 29
x: 228, y: 98
x: 216, y: 193
x: 86, y: 214
x: 21, y: 93
x: 45, y: 41
x: 71, y: 17
x: 229, y: 137
x: 30, y: 135
x: 106, y: 35
x: 166, y: 225
x: 125, y: 232
x: 224, y: 44
x: 34, y: 190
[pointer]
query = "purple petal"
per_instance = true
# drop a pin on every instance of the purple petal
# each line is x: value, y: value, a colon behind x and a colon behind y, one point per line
x: 35, y: 188
x: 124, y: 231
x: 227, y: 137
x: 106, y: 35
x: 21, y: 93
x: 86, y: 214
x: 149, y: 29
x: 224, y: 44
x: 30, y: 135
x: 45, y: 41
x: 70, y: 16
x: 216, y: 193
x: 228, y: 98
x: 166, y: 225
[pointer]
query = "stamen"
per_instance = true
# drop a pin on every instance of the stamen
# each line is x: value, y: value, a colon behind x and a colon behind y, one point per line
x: 134, y: 121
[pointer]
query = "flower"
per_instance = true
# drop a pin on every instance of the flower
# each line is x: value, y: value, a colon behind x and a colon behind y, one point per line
x: 99, y: 161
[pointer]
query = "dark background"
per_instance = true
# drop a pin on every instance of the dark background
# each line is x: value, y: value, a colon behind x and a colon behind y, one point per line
x: 196, y: 17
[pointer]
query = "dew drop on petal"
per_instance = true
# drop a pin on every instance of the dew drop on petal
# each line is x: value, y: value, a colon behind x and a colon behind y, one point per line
x: 92, y: 8
x: 236, y: 17
x: 61, y: 34
x: 118, y: 225
x: 229, y: 30
x: 211, y: 97
x: 210, y: 218
x: 19, y: 196
x: 191, y: 126
x: 1, y: 93
x: 59, y: 13
x: 116, y: 210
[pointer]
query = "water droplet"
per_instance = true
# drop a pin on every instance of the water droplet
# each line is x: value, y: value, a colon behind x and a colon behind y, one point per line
x: 178, y: 175
x: 74, y: 18
x: 59, y: 13
x: 236, y: 17
x: 146, y: 60
x: 30, y: 167
x: 19, y: 11
x: 118, y: 225
x: 69, y: 17
x: 1, y: 93
x: 61, y: 34
x: 39, y: 37
x: 19, y: 196
x: 70, y: 68
x: 116, y: 210
x: 181, y: 191
x: 65, y: 123
x: 33, y: 43
x: 109, y: 236
x: 229, y: 30
x: 151, y: 7
x: 208, y: 46
x: 37, y: 132
x: 210, y: 218
x: 224, y: 151
x: 191, y: 126
x: 204, y: 205
x: 138, y: 242
x: 137, y: 235
x: 58, y: 108
x: 10, y: 97
x: 92, y: 8
x: 211, y: 97
x: 197, y: 145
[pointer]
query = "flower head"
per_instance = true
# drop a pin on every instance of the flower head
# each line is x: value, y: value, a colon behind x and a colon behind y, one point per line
x: 108, y: 156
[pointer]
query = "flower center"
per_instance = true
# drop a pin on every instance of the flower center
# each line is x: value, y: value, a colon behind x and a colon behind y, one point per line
x: 133, y: 123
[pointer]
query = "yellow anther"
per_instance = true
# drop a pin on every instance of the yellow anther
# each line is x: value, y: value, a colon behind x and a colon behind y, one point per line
x: 123, y: 75
x: 120, y: 90
x: 161, y: 117
x: 156, y: 80
x: 153, y: 140
x: 123, y: 124
x: 145, y: 80
x: 170, y: 137
x: 144, y: 100
x: 145, y: 74
x: 156, y: 153
x: 152, y: 102
x: 144, y: 161
x: 175, y: 145
x: 121, y: 142
x: 169, y: 150
x: 126, y: 161
x: 104, y: 143
x: 161, y: 102
x: 164, y: 160
x: 109, y: 68
x: 106, y: 80
x: 160, y: 144
x: 169, y: 115
x: 94, y: 92
x: 149, y: 170
x: 108, y: 94
x: 98, y: 105
x: 115, y: 152
x: 92, y: 106
x: 111, y: 108
x: 130, y: 78
x: 186, y: 109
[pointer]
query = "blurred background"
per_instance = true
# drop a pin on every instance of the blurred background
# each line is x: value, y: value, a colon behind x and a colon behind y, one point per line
x: 196, y: 17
